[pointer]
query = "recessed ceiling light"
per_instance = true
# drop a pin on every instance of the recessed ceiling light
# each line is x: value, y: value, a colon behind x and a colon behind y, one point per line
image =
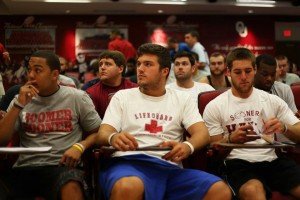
x: 254, y: 5
x: 160, y: 11
x: 256, y: 1
x: 165, y: 2
x: 67, y: 1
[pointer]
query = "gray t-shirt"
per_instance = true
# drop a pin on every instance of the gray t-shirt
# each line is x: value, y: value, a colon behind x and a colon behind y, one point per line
x: 59, y: 121
x: 284, y: 91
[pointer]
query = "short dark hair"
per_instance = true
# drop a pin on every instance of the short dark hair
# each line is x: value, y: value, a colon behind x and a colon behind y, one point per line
x: 265, y: 59
x: 117, y: 56
x: 185, y: 54
x: 171, y: 40
x: 164, y: 58
x: 132, y: 60
x: 281, y: 57
x: 217, y: 54
x: 195, y: 55
x: 116, y: 31
x: 240, y: 53
x: 194, y: 33
x: 52, y: 59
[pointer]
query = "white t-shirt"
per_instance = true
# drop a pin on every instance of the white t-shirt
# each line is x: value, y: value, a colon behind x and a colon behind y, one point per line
x: 151, y: 120
x: 203, y: 57
x: 226, y: 112
x: 193, y: 91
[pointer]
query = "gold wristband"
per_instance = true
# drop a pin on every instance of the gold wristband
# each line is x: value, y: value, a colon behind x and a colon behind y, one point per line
x: 78, y: 147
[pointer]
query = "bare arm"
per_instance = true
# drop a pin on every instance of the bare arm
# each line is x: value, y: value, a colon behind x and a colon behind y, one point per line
x: 72, y: 155
x: 9, y: 120
x: 292, y: 132
x: 7, y: 125
x: 199, y: 139
x: 108, y: 135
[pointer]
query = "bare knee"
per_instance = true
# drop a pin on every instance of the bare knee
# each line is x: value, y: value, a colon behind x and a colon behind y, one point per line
x: 252, y: 189
x: 295, y: 192
x: 218, y: 190
x: 129, y: 187
x: 72, y: 190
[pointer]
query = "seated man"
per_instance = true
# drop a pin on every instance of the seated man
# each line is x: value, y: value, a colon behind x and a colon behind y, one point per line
x: 265, y: 80
x: 284, y: 75
x: 184, y: 67
x: 217, y: 77
x: 46, y: 114
x: 199, y: 73
x: 239, y: 115
x: 154, y: 116
x: 112, y: 65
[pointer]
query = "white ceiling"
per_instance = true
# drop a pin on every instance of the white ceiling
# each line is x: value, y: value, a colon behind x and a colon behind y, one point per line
x: 137, y: 7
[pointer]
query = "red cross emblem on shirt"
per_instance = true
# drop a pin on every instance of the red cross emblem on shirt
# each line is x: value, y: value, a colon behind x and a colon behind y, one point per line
x: 152, y: 127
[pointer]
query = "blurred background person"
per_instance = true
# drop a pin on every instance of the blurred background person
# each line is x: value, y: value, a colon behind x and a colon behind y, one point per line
x: 217, y: 78
x: 192, y: 39
x: 130, y: 72
x: 198, y: 73
x: 264, y: 79
x: 283, y: 73
x: 175, y: 47
x: 118, y: 43
x: 64, y: 66
x: 4, y: 63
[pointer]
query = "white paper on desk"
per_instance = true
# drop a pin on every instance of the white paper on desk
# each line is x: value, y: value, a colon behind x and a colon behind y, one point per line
x: 24, y: 149
x: 262, y: 118
x: 260, y: 122
x: 148, y: 145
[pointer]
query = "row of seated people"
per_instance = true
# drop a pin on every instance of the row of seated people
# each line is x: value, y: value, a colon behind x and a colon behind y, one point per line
x: 137, y: 108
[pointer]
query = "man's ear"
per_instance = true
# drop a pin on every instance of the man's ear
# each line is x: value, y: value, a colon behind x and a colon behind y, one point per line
x: 55, y: 74
x: 194, y: 68
x: 121, y: 68
x: 165, y: 71
x: 255, y: 69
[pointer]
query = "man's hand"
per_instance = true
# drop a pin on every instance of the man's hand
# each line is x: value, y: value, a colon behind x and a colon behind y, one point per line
x: 243, y: 134
x: 179, y: 151
x: 124, y: 142
x: 71, y: 157
x: 27, y: 92
x: 273, y: 125
x: 6, y: 57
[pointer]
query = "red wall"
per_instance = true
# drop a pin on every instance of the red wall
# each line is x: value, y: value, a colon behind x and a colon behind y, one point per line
x: 217, y: 33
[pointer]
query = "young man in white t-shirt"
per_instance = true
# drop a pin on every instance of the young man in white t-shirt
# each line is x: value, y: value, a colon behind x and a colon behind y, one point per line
x: 184, y: 66
x: 152, y: 115
x: 236, y: 116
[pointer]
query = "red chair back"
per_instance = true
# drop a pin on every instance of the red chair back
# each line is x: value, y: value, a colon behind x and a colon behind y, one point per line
x: 295, y: 84
x: 296, y: 93
x: 205, y: 97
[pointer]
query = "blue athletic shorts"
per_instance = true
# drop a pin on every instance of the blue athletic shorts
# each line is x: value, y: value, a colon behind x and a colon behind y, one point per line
x: 162, y: 180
